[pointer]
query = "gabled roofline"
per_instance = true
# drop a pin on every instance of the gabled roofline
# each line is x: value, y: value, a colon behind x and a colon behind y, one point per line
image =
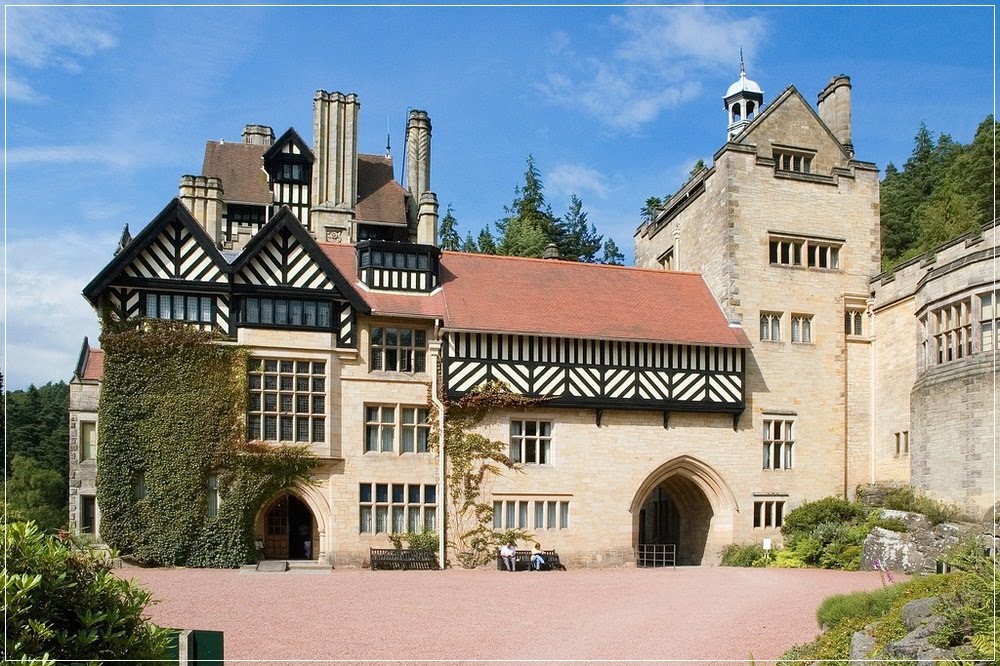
x: 173, y: 211
x: 285, y: 218
x: 289, y: 135
x: 778, y: 101
x: 81, y: 361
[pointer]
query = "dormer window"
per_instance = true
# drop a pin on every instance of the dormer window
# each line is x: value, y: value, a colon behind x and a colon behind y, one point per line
x: 292, y: 171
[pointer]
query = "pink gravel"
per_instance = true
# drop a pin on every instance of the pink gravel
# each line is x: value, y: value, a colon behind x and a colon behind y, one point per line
x: 360, y: 616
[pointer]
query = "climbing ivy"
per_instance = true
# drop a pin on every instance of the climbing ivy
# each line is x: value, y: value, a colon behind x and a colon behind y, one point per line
x: 474, y: 461
x: 172, y: 410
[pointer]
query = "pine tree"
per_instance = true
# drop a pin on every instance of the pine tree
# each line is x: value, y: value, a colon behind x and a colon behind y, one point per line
x: 487, y: 245
x: 469, y: 245
x: 612, y: 255
x: 582, y: 243
x: 529, y: 224
x: 448, y: 237
x: 650, y: 209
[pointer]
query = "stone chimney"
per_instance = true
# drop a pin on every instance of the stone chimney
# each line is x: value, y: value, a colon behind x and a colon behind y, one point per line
x: 203, y: 197
x: 551, y: 251
x: 260, y: 135
x: 335, y: 172
x: 427, y: 219
x: 834, y: 105
x: 418, y: 153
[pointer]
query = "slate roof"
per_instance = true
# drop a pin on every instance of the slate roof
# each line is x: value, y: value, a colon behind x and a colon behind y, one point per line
x: 380, y: 197
x: 240, y: 167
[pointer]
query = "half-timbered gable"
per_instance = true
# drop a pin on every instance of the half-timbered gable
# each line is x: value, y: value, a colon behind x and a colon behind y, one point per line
x: 288, y: 164
x: 170, y: 270
x: 283, y: 279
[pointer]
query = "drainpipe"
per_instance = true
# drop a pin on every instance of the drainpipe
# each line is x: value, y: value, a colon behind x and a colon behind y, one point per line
x: 439, y: 405
x: 873, y: 383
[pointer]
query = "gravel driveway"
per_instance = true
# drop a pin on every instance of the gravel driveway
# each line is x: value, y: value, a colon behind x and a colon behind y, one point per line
x: 360, y: 616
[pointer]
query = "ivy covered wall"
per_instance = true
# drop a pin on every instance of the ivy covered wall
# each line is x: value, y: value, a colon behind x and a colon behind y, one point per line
x: 172, y: 413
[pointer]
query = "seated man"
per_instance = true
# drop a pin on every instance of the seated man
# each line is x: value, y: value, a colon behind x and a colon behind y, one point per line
x: 507, y: 555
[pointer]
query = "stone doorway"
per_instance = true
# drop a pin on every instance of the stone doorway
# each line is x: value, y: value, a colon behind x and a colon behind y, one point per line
x: 685, y: 505
x: 289, y: 530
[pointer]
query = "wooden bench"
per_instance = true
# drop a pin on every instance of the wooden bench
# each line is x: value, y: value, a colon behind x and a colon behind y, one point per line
x: 402, y: 558
x: 522, y: 561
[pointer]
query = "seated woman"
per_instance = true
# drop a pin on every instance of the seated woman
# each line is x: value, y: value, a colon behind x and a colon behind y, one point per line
x: 537, y: 558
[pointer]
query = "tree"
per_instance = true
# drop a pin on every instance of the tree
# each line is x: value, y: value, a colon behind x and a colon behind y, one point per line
x: 486, y: 244
x: 469, y: 245
x: 36, y: 493
x: 650, y: 209
x: 698, y: 166
x: 63, y: 601
x: 612, y: 255
x: 529, y: 225
x: 582, y: 241
x: 448, y: 238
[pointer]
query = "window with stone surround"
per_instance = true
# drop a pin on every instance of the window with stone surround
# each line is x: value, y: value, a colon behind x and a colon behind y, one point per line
x: 770, y: 326
x: 666, y: 260
x: 779, y: 439
x: 386, y: 508
x: 88, y: 514
x: 398, y: 349
x: 798, y: 162
x: 382, y: 425
x: 988, y: 337
x: 902, y: 443
x: 802, y: 328
x: 537, y: 514
x: 287, y: 400
x: 531, y: 442
x: 768, y: 513
x: 88, y: 440
x: 854, y: 322
x: 949, y: 331
x: 802, y: 251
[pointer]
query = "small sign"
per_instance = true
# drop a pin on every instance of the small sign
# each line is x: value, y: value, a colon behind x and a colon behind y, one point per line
x: 767, y: 544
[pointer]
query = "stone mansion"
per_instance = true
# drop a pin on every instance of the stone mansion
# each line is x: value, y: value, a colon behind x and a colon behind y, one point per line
x: 754, y: 359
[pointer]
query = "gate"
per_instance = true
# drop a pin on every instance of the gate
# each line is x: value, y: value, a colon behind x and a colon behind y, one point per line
x: 656, y: 555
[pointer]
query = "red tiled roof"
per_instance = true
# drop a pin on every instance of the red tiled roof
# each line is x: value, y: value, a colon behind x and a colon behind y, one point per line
x: 560, y: 298
x: 570, y: 299
x: 93, y: 368
x: 380, y: 197
x: 240, y: 167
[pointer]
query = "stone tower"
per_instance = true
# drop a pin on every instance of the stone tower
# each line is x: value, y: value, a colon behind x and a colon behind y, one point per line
x: 742, y: 100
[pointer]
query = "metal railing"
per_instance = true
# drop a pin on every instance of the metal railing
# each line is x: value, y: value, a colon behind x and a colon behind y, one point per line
x: 656, y: 555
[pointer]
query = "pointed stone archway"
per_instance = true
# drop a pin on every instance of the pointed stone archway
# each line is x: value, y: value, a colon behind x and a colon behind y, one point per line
x: 684, y: 502
x: 292, y: 525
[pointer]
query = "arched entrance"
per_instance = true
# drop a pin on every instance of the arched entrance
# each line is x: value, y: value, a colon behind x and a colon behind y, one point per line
x: 289, y: 530
x: 685, y: 503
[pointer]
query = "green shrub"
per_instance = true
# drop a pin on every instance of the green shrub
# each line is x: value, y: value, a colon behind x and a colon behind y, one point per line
x: 415, y: 540
x: 804, y: 519
x: 64, y: 602
x: 969, y: 610
x: 905, y: 498
x: 744, y: 555
x: 787, y: 559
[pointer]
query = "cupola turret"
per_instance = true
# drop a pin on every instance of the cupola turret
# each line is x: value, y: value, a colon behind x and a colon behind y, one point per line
x: 742, y: 101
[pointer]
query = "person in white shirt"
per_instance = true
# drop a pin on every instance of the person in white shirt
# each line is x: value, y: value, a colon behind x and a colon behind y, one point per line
x: 507, y: 555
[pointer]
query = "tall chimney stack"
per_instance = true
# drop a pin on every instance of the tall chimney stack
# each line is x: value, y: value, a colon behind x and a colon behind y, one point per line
x: 423, y: 202
x: 834, y: 105
x: 260, y: 135
x: 335, y: 173
x: 203, y: 197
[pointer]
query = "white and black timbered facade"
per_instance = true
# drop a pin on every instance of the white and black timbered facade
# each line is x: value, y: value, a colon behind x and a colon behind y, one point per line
x: 281, y: 280
x: 598, y: 373
x: 289, y: 164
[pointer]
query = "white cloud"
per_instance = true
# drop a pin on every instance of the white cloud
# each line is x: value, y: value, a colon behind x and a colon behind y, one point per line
x: 55, y: 36
x: 660, y: 57
x: 69, y: 154
x: 19, y: 91
x: 46, y: 316
x: 577, y: 179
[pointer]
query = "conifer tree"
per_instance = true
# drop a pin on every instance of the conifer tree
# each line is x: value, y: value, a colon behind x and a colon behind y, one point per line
x: 612, y: 255
x: 448, y: 237
x: 469, y: 245
x: 486, y: 243
x: 582, y: 242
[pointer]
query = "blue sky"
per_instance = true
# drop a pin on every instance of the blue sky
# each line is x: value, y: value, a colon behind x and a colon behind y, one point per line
x: 107, y: 107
